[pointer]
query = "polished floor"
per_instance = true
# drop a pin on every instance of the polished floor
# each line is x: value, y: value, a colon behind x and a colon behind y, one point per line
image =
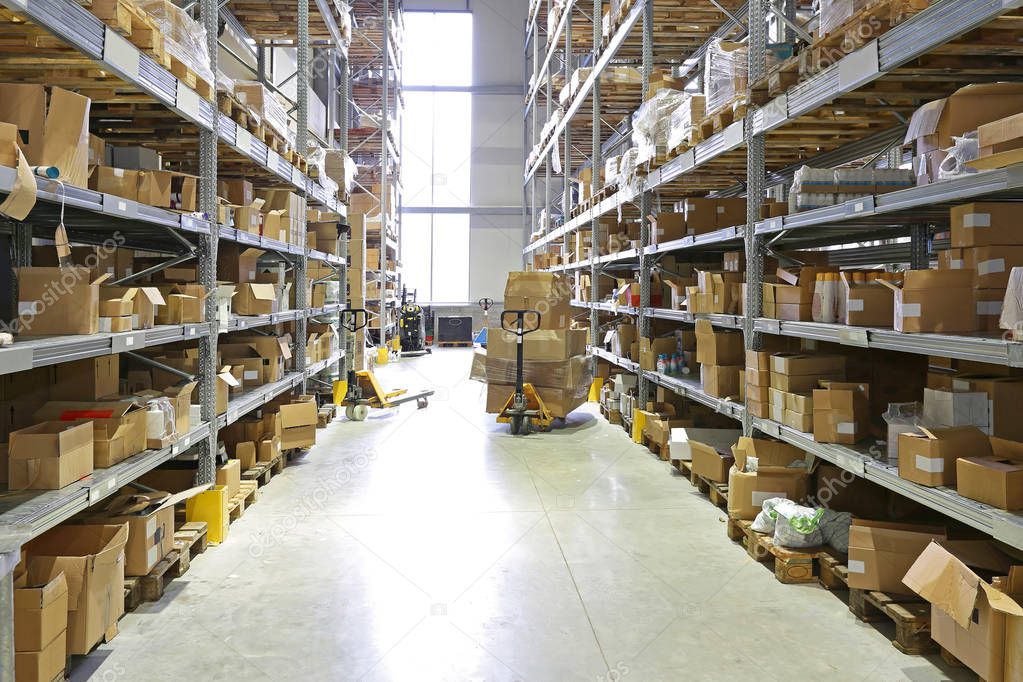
x: 431, y: 545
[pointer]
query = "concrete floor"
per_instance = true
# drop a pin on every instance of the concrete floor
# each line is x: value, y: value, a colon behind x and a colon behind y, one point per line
x: 432, y: 545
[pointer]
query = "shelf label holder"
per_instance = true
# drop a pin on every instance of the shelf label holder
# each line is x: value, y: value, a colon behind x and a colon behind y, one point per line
x: 859, y: 67
x: 188, y: 101
x: 120, y: 53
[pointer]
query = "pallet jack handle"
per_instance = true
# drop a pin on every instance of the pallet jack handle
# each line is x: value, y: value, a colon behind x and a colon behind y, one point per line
x: 354, y: 319
x: 523, y: 322
x: 486, y: 304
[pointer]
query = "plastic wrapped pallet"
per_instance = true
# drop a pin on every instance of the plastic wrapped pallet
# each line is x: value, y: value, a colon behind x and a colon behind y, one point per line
x: 184, y: 38
x: 685, y: 118
x: 340, y: 168
x: 725, y: 72
x: 262, y: 102
x: 652, y: 122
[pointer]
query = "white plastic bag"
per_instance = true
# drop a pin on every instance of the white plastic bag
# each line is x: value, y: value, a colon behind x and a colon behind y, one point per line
x: 797, y: 526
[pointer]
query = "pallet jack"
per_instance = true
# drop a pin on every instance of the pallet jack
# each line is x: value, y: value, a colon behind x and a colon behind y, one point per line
x: 486, y: 304
x: 412, y: 327
x: 360, y: 390
x: 524, y: 409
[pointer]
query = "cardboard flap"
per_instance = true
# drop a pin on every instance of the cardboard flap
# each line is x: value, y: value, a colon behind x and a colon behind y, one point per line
x: 285, y: 344
x: 183, y: 495
x: 102, y: 278
x: 257, y: 204
x: 38, y: 595
x: 153, y: 295
x: 1000, y: 601
x: 43, y: 570
x: 228, y: 378
x: 787, y: 276
x: 263, y: 292
x: 946, y: 582
x: 925, y: 120
x: 298, y: 414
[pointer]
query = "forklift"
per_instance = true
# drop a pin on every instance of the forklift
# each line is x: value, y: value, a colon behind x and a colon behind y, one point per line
x: 524, y: 409
x: 360, y: 390
x: 412, y: 327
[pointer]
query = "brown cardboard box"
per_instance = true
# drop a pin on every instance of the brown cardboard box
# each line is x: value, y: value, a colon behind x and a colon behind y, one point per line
x: 1000, y: 136
x: 989, y: 308
x: 1005, y: 395
x: 758, y: 360
x: 541, y: 345
x: 992, y: 264
x: 145, y: 302
x: 747, y: 491
x: 939, y: 301
x: 116, y: 181
x: 548, y: 293
x: 720, y: 381
x: 985, y: 224
x: 841, y: 413
x: 880, y: 553
x: 184, y: 192
x: 996, y: 479
x: 119, y: 426
x: 226, y: 382
x: 951, y: 259
x: 730, y: 212
x: 49, y: 456
x: 866, y: 304
x: 760, y: 409
x: 92, y: 558
x: 275, y: 351
x: 701, y: 215
x: 929, y: 457
x: 40, y: 615
x: 968, y: 614
x: 560, y: 402
x: 298, y: 421
x: 666, y: 227
x: 230, y: 476
x: 715, y: 347
x: 237, y: 191
x: 245, y: 452
x: 795, y: 364
x: 150, y: 529
x: 574, y: 373
x: 650, y: 349
x: 89, y: 379
x: 180, y: 396
x: 58, y: 301
x: 155, y: 188
x: 934, y: 125
x: 760, y: 379
x: 255, y: 299
x: 800, y: 383
x: 709, y: 463
x: 182, y: 309
x: 115, y: 324
x: 237, y: 263
x: 51, y: 134
x: 769, y: 453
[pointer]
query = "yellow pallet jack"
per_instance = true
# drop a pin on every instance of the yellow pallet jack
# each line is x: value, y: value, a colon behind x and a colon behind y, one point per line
x: 361, y: 390
x: 525, y: 409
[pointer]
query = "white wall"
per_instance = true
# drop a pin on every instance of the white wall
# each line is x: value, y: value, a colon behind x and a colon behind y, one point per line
x: 496, y: 239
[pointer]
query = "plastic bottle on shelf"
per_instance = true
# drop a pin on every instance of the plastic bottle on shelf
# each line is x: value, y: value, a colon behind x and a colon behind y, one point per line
x: 683, y: 366
x: 662, y: 364
x: 673, y: 365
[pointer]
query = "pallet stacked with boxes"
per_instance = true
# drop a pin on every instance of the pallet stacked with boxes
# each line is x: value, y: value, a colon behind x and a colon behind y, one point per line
x: 854, y: 306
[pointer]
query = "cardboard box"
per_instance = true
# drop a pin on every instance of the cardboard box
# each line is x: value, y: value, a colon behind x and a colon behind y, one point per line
x: 841, y: 413
x: 560, y: 402
x: 794, y: 364
x: 180, y: 396
x: 237, y: 264
x: 58, y: 301
x: 937, y: 301
x: 275, y: 351
x: 649, y: 350
x: 666, y: 227
x: 237, y: 191
x: 718, y: 347
x: 996, y: 479
x: 720, y: 381
x: 680, y: 439
x: 40, y: 616
x: 800, y: 383
x: 135, y: 157
x: 709, y: 463
x: 255, y: 299
x: 541, y: 345
x: 184, y: 192
x: 118, y: 426
x: 92, y: 558
x: 768, y: 453
x: 1004, y: 395
x: 934, y: 125
x: 51, y: 133
x: 548, y: 293
x: 116, y: 181
x: 929, y: 457
x: 40, y: 666
x: 155, y: 188
x: 747, y: 491
x: 865, y: 304
x: 985, y: 224
x: 89, y: 379
x: 230, y: 476
x: 968, y: 615
x: 298, y: 421
x: 145, y: 302
x: 880, y: 553
x: 226, y: 382
x: 49, y: 456
x: 150, y: 528
x: 992, y: 264
x: 946, y: 408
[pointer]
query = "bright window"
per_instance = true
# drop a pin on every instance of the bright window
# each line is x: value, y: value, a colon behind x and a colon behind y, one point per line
x: 437, y: 154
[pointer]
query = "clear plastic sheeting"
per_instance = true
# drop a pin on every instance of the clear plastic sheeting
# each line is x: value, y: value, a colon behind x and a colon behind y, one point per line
x: 685, y: 118
x: 574, y: 374
x: 651, y: 123
x: 957, y: 163
x: 1012, y: 308
x: 725, y: 73
x: 184, y: 38
x: 834, y: 13
x: 339, y: 167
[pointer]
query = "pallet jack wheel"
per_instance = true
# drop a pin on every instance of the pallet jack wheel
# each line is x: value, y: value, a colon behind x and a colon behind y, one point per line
x: 357, y: 413
x: 516, y: 424
x: 422, y: 402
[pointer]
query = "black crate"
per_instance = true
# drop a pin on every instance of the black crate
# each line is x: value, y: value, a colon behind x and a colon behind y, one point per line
x: 454, y: 329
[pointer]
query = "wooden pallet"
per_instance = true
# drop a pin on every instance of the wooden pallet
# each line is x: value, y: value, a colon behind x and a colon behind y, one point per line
x: 868, y: 24
x: 683, y: 468
x: 245, y: 497
x: 264, y: 471
x: 612, y: 416
x: 190, y: 78
x: 152, y: 586
x: 716, y: 492
x: 790, y: 566
x: 659, y: 449
x: 324, y: 416
x: 191, y: 539
x: 910, y: 614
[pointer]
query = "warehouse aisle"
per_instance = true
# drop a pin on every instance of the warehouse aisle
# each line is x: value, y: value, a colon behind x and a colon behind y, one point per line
x: 431, y: 545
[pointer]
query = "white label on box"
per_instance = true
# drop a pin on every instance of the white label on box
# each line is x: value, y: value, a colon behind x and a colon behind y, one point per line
x: 989, y: 308
x: 856, y: 566
x: 152, y: 555
x: 151, y: 527
x: 118, y: 172
x: 777, y: 364
x: 845, y: 428
x: 243, y: 140
x: 250, y: 375
x: 932, y: 465
x: 721, y: 210
x: 252, y: 275
x: 910, y: 310
x: 960, y: 385
x: 956, y: 264
x: 121, y: 54
x: 758, y: 497
x: 977, y: 220
x: 988, y: 267
x: 134, y: 322
x: 104, y: 324
x: 854, y: 305
x: 27, y: 307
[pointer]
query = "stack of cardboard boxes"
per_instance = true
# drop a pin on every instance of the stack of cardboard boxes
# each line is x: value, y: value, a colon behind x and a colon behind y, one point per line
x: 555, y: 359
x: 357, y: 280
x: 764, y: 469
x: 720, y: 354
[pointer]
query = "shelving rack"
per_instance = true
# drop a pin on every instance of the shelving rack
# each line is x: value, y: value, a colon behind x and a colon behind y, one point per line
x: 136, y: 100
x: 855, y: 109
x: 374, y: 137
